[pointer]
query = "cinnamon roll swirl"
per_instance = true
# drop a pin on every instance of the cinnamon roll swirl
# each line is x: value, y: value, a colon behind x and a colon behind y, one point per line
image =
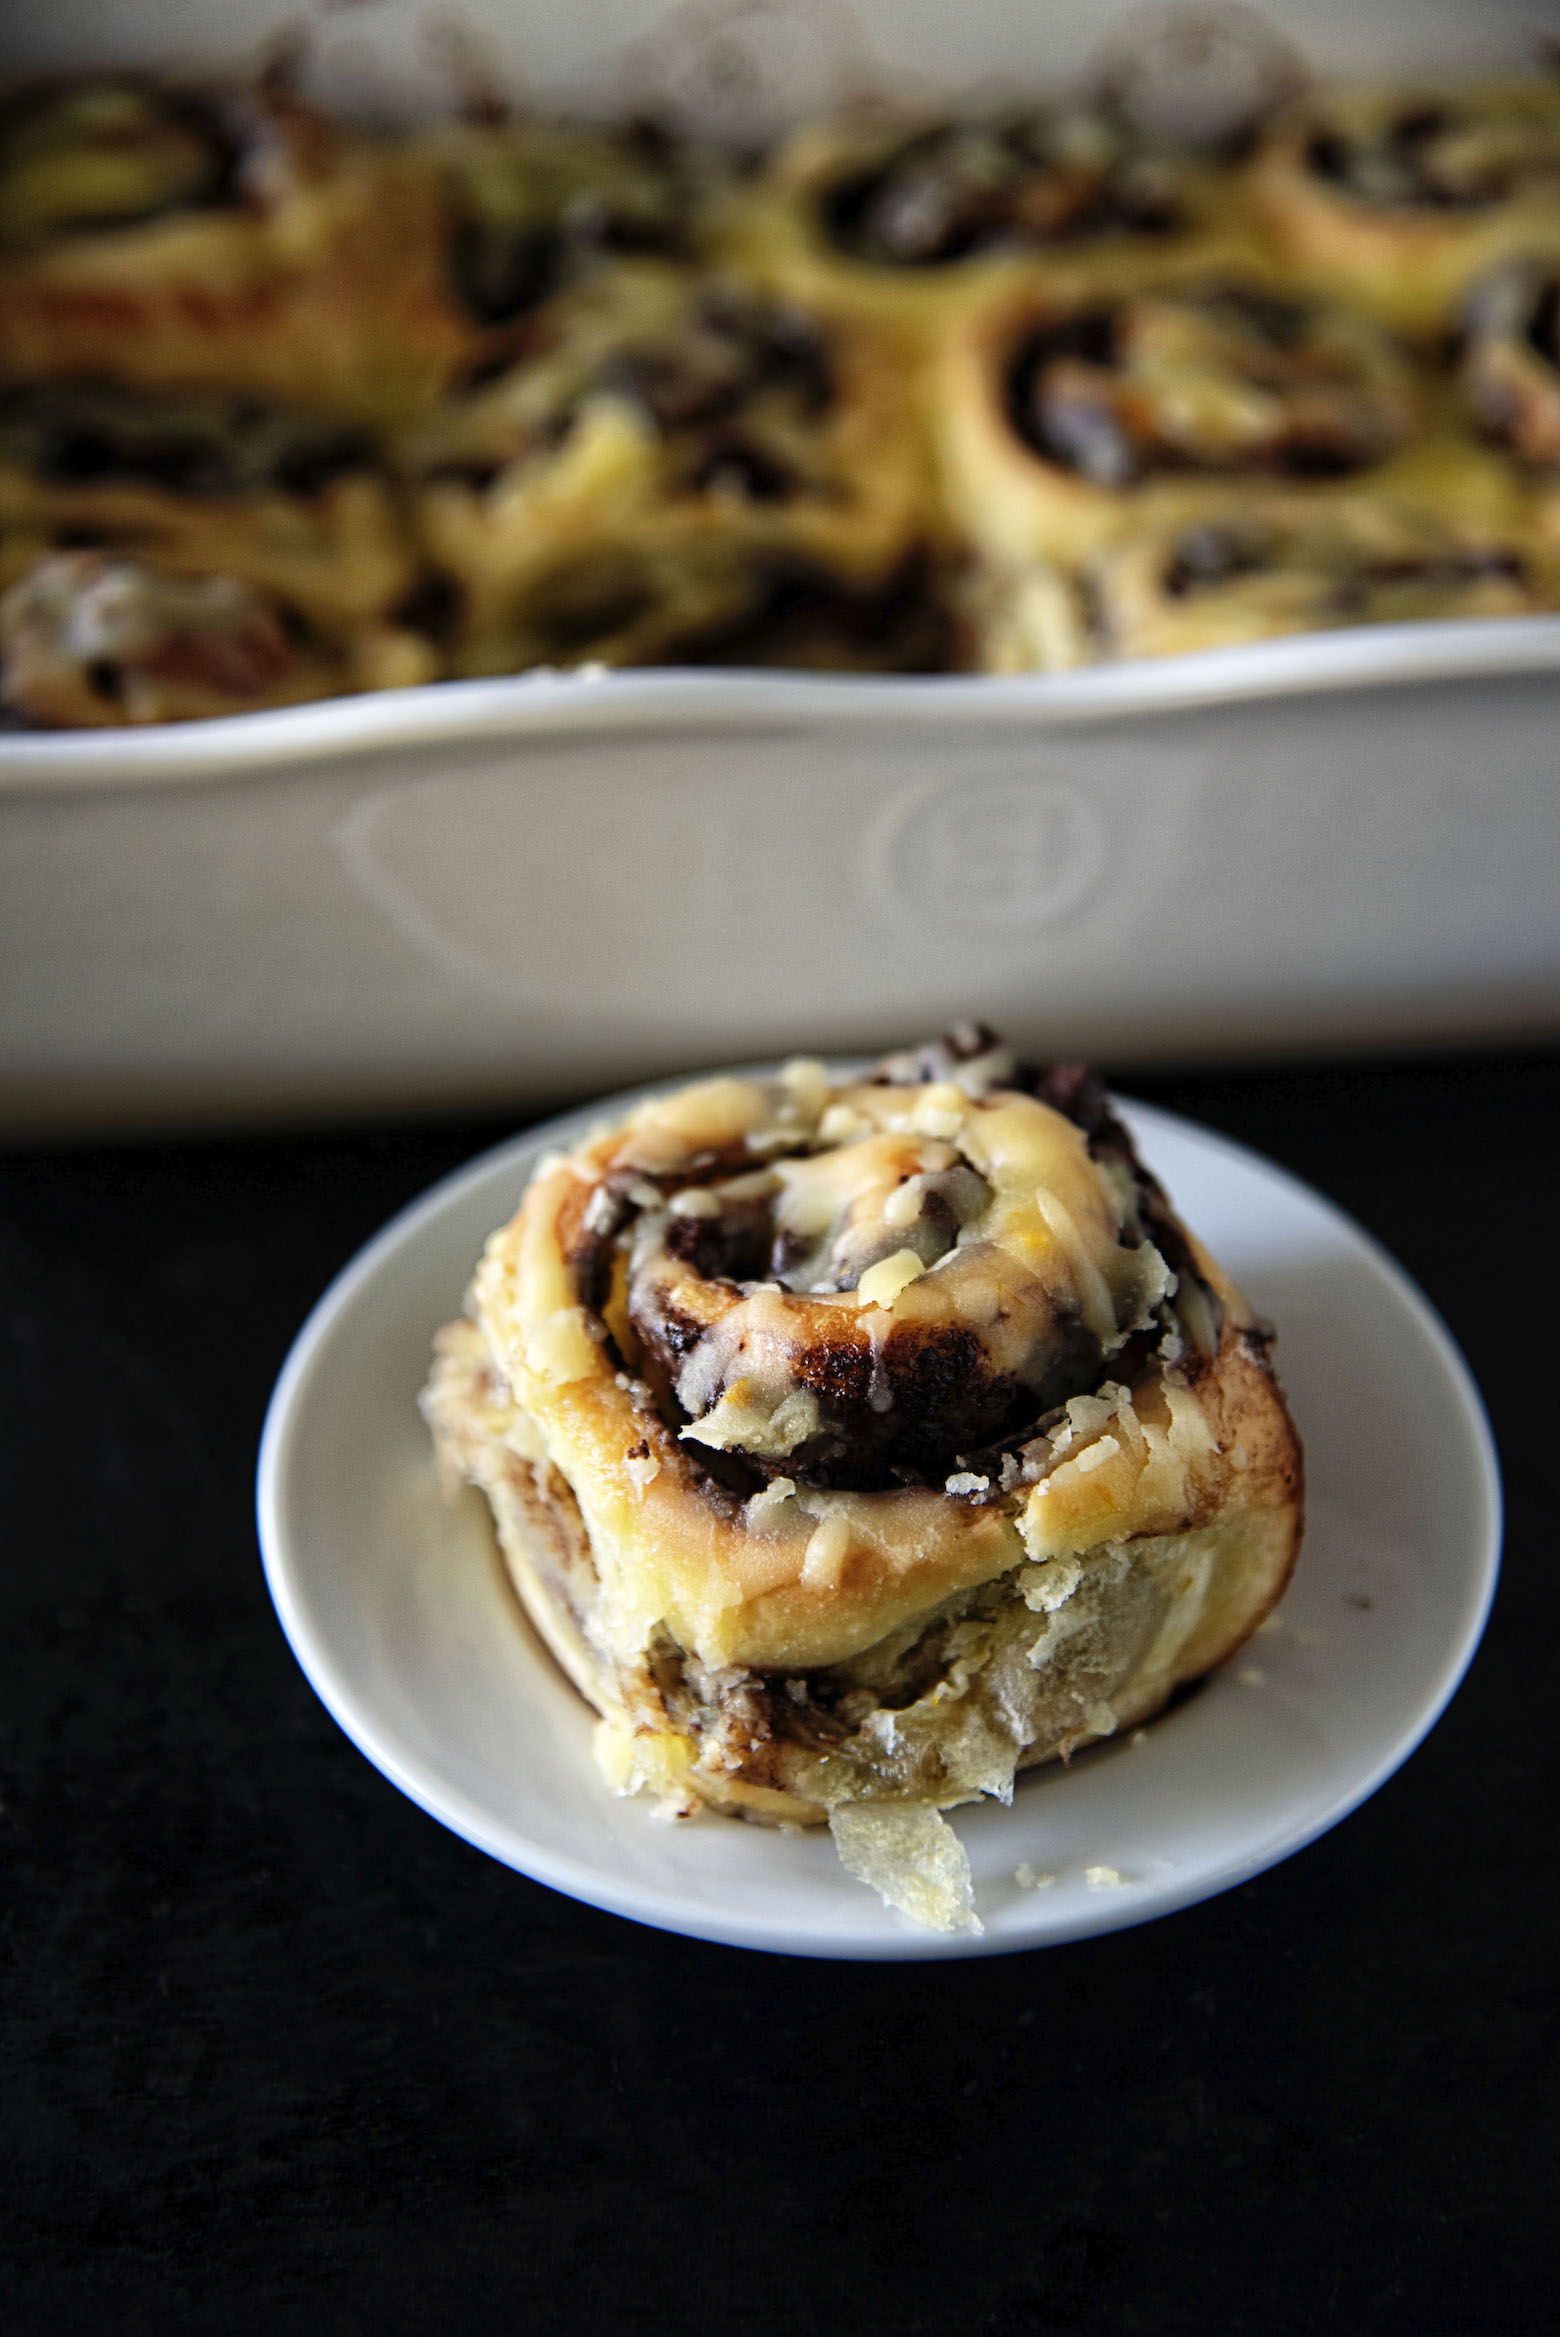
x: 1058, y: 423
x: 856, y: 1442
x: 1400, y: 199
x: 208, y: 483
x: 1087, y: 447
x: 907, y: 219
x: 671, y: 458
x: 233, y: 238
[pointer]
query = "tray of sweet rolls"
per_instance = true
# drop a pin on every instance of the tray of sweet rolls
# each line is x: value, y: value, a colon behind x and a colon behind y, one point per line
x: 981, y: 476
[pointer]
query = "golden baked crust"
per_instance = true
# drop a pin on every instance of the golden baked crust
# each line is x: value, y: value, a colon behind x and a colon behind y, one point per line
x: 987, y: 1464
x: 259, y: 246
x: 1400, y: 198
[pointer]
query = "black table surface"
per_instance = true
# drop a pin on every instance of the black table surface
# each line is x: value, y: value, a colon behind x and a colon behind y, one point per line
x: 281, y: 2054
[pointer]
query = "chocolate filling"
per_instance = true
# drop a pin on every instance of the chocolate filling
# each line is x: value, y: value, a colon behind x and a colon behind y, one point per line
x: 959, y: 189
x: 100, y: 433
x: 1076, y: 395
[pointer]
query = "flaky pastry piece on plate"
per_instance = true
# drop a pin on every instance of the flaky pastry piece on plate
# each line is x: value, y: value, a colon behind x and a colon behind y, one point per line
x: 154, y: 234
x: 1399, y: 199
x: 855, y: 1442
x: 667, y: 458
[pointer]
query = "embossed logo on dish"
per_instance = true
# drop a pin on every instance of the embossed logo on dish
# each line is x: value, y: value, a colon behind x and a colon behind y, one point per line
x: 1008, y: 852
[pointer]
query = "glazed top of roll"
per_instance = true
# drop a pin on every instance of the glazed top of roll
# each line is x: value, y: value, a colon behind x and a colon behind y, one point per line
x: 730, y: 388
x: 814, y: 1354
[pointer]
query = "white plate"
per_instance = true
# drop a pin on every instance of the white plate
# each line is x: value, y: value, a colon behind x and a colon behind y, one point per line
x: 399, y: 1612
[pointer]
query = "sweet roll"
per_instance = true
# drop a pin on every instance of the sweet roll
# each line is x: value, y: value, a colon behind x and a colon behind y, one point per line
x: 857, y: 1441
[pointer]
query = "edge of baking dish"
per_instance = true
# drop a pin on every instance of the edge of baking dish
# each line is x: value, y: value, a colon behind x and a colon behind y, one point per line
x: 543, y: 703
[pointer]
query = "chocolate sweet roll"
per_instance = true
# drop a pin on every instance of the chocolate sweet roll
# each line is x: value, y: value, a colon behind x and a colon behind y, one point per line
x: 1068, y: 431
x: 907, y: 219
x: 855, y: 1442
x: 1400, y: 199
x: 668, y: 457
x: 217, y: 484
x: 1057, y: 421
x: 161, y: 235
x: 532, y: 206
x: 92, y: 640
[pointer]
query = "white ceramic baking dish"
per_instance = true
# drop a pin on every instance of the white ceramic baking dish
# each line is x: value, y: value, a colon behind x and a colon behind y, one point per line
x: 538, y: 886
x: 534, y: 887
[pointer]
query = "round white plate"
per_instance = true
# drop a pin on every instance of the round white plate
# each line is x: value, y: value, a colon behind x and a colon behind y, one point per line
x: 398, y: 1609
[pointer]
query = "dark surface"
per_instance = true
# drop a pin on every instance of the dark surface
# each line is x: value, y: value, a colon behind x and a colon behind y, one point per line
x: 280, y: 2054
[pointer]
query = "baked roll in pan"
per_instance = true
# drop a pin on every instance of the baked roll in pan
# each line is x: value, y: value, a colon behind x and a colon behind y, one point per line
x: 1054, y: 418
x: 670, y: 455
x: 856, y: 1443
x: 910, y: 395
x: 164, y: 236
x: 1207, y: 571
x: 533, y: 206
x: 292, y: 508
x: 909, y: 219
x: 1400, y: 199
x: 1509, y: 371
x: 1089, y: 450
x: 206, y: 481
